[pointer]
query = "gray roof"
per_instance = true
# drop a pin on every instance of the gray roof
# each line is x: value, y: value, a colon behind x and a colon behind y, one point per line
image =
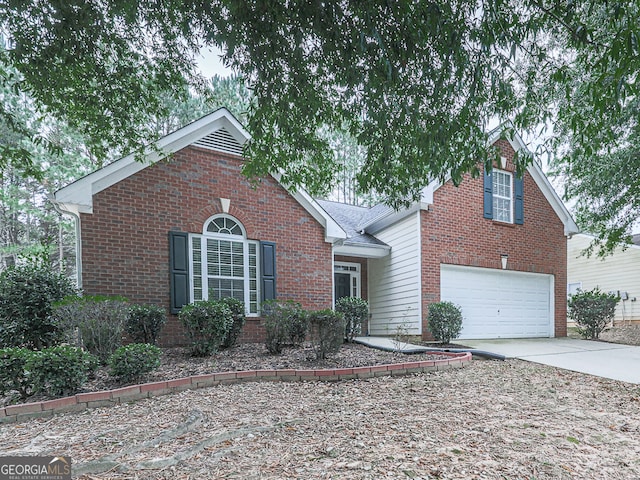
x: 352, y: 219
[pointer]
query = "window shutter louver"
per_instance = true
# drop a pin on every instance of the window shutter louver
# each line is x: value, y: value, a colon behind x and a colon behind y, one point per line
x: 268, y: 270
x: 179, y: 269
x: 488, y: 195
x: 518, y: 187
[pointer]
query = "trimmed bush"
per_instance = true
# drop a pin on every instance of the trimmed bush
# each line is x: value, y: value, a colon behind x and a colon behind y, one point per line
x: 27, y: 295
x: 592, y: 310
x: 61, y: 370
x: 285, y: 323
x: 13, y: 372
x: 95, y: 323
x: 134, y: 360
x: 144, y: 323
x: 445, y: 321
x: 238, y: 314
x: 355, y: 312
x: 326, y: 330
x: 207, y: 323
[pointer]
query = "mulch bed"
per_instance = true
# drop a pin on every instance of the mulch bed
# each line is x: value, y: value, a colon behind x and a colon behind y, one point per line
x: 488, y: 420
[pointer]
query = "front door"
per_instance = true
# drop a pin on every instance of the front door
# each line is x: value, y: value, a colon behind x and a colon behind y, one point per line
x: 343, y: 285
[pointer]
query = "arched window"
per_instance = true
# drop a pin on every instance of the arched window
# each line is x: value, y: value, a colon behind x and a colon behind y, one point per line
x: 224, y: 263
x: 224, y: 225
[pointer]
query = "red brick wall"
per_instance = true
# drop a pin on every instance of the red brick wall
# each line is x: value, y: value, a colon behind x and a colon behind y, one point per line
x: 125, y: 240
x: 455, y: 232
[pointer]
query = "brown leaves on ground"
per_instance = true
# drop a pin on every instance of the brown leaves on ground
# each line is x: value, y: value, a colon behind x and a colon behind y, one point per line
x: 489, y: 420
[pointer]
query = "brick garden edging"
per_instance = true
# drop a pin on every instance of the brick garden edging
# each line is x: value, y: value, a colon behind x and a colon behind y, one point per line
x: 83, y: 401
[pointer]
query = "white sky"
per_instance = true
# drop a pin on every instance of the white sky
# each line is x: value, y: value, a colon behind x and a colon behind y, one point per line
x: 210, y: 63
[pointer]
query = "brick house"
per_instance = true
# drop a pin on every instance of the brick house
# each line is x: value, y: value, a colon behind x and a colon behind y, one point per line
x: 186, y: 225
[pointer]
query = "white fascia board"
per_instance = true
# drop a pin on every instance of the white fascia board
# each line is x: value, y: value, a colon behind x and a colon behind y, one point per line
x: 362, y: 251
x: 426, y: 196
x: 393, y: 217
x: 81, y: 191
x: 570, y: 227
x: 332, y: 231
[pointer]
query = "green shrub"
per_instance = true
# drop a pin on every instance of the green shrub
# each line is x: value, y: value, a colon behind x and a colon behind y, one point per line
x: 238, y: 314
x: 207, y: 324
x: 445, y: 321
x: 144, y: 323
x: 13, y: 372
x: 285, y: 323
x: 592, y: 310
x: 134, y: 360
x: 27, y: 294
x: 60, y: 370
x: 95, y: 323
x: 326, y: 330
x: 355, y: 312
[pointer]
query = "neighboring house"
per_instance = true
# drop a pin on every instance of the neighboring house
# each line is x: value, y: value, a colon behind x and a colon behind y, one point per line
x: 617, y: 273
x: 186, y: 225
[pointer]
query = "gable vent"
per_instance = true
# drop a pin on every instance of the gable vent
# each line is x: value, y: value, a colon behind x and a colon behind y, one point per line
x: 222, y: 141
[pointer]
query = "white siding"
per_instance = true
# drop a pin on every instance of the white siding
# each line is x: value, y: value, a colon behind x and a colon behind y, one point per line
x: 619, y: 272
x: 394, y: 281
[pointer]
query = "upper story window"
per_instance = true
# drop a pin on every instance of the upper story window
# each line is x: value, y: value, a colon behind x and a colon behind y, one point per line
x: 502, y: 196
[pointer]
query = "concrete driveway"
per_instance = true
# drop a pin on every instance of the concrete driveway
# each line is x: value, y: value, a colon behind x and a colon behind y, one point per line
x: 608, y: 360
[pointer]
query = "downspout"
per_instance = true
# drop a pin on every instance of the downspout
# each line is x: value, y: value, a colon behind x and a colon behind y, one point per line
x: 76, y: 217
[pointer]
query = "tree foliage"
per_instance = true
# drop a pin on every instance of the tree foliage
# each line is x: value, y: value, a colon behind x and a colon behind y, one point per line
x: 597, y: 135
x: 414, y: 83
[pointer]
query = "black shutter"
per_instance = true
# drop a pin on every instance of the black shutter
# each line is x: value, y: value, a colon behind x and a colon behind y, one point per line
x: 268, y: 270
x: 179, y: 269
x: 518, y: 187
x: 488, y: 195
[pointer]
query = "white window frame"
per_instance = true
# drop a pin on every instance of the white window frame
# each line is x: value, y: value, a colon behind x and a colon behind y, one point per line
x: 496, y: 174
x: 353, y: 269
x: 245, y: 252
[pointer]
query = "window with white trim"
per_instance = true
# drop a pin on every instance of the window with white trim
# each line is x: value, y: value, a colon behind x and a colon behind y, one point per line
x: 224, y: 263
x: 502, y: 196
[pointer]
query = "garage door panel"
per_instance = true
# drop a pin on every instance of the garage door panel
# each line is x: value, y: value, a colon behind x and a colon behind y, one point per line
x: 498, y: 303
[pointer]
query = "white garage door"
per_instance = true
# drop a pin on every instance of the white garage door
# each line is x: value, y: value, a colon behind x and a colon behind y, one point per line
x: 499, y: 303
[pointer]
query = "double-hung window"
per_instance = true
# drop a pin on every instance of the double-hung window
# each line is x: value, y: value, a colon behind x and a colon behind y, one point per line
x: 502, y: 196
x: 224, y: 263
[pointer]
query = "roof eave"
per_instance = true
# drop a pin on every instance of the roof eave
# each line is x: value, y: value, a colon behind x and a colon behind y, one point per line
x: 81, y: 191
x: 363, y: 251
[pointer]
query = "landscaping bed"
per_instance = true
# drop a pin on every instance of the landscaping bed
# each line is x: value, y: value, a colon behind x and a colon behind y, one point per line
x: 488, y: 420
x: 177, y: 363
